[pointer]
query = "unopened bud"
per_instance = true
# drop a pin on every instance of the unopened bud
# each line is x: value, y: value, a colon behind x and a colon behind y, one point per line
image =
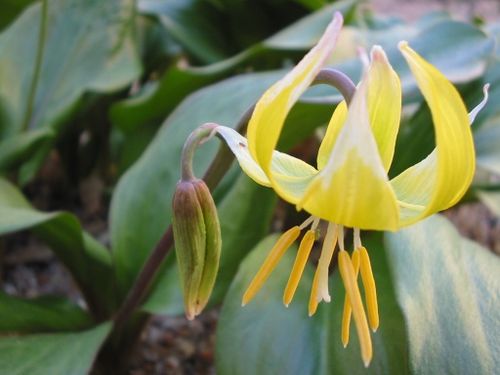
x: 197, y: 242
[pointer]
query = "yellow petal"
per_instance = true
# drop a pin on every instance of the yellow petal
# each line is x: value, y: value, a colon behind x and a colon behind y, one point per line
x: 332, y: 132
x: 441, y: 179
x: 272, y: 108
x: 239, y: 146
x: 353, y: 188
x: 291, y: 173
x: 384, y: 104
x: 384, y: 107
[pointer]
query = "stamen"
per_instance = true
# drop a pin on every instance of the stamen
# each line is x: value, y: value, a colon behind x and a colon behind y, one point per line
x: 341, y: 237
x: 315, y: 223
x: 357, y: 238
x: 306, y: 223
x: 346, y: 316
x: 313, y: 299
x: 298, y: 267
x: 324, y: 262
x: 351, y: 286
x: 282, y: 245
x: 370, y: 289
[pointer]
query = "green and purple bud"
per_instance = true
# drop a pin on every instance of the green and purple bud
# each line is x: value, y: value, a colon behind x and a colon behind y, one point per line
x: 197, y: 242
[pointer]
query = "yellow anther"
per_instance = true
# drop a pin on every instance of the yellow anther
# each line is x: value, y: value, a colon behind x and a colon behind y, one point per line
x: 351, y: 286
x: 346, y: 315
x: 298, y: 267
x: 313, y: 299
x: 281, y: 246
x: 370, y: 289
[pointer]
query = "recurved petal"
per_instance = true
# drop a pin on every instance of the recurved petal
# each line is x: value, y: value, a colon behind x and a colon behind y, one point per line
x: 353, y: 188
x: 441, y: 179
x: 239, y: 147
x: 272, y: 108
x: 384, y: 104
x: 332, y: 132
x: 292, y: 174
x: 384, y: 107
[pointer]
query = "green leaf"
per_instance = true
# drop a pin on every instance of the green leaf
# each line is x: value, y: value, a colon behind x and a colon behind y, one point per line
x: 274, y: 339
x: 245, y: 217
x: 449, y: 291
x: 85, y: 46
x: 87, y: 260
x: 270, y: 339
x: 55, y: 354
x: 43, y: 314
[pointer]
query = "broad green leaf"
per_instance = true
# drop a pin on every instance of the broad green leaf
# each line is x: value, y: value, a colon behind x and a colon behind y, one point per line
x: 87, y: 46
x: 43, y: 314
x: 55, y: 354
x: 270, y: 338
x: 278, y: 340
x: 88, y: 261
x: 245, y: 214
x: 449, y: 291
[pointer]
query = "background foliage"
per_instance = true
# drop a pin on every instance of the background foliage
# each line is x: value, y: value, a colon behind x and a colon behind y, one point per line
x: 113, y: 88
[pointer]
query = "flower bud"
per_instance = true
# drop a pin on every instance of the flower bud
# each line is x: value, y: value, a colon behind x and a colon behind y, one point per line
x: 197, y: 242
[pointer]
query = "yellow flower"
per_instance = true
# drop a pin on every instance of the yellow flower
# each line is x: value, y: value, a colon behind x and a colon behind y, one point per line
x: 349, y: 187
